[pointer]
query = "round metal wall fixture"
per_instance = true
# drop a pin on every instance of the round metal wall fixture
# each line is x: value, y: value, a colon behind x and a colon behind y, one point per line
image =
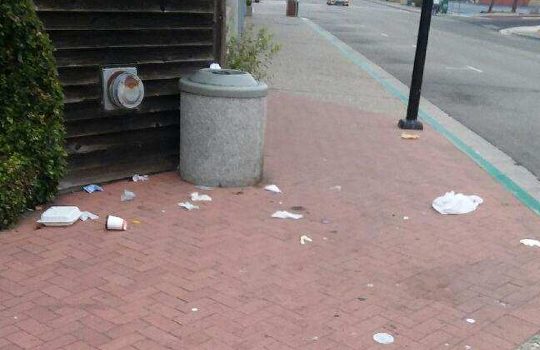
x: 126, y: 90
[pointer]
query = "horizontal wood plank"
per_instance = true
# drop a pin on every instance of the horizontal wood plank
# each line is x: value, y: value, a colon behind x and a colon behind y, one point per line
x: 121, y: 21
x: 130, y: 56
x: 92, y: 110
x: 123, y: 123
x: 126, y: 5
x: 87, y: 75
x: 116, y: 38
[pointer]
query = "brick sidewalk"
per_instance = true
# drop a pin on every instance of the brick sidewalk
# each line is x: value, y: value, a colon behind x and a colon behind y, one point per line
x: 253, y: 285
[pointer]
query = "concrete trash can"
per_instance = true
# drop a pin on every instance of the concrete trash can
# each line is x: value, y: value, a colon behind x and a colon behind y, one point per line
x: 222, y: 122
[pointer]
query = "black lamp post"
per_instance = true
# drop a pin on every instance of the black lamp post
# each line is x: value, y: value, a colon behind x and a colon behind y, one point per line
x: 411, y: 122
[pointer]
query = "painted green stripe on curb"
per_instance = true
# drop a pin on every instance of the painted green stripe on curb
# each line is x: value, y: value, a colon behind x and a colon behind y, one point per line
x: 368, y: 67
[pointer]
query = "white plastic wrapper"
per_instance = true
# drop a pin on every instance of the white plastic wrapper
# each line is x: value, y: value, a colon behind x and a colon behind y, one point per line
x: 196, y: 197
x: 452, y: 203
x: 188, y: 206
x: 282, y: 214
x: 272, y: 188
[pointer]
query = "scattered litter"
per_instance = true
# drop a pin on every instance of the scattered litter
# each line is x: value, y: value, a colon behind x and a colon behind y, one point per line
x: 468, y: 347
x: 369, y: 285
x: 446, y: 344
x: 336, y: 188
x: 194, y: 309
x: 85, y: 215
x: 115, y: 223
x: 325, y: 221
x: 361, y: 299
x: 136, y: 222
x: 196, y: 197
x: 60, y: 216
x: 127, y: 196
x: 204, y: 188
x: 325, y: 238
x: 315, y: 338
x: 405, y: 218
x: 282, y: 214
x: 272, y: 188
x: 470, y: 320
x: 304, y: 239
x: 138, y: 177
x: 92, y: 188
x: 188, y: 206
x: 15, y: 317
x: 383, y: 338
x: 530, y: 242
x: 408, y: 136
x: 215, y: 66
x: 280, y: 203
x: 452, y: 203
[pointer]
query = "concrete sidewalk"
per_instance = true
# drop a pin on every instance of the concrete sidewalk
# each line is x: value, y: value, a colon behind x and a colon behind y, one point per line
x: 228, y: 276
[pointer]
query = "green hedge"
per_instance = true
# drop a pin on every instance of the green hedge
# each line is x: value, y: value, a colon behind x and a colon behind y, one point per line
x: 32, y: 156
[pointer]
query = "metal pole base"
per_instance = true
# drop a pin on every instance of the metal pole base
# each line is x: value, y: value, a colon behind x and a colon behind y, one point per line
x: 410, y: 124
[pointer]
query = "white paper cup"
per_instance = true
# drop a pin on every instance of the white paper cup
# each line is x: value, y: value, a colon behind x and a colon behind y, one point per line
x: 116, y: 223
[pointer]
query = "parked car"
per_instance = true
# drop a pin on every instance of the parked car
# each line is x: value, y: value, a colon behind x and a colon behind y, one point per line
x: 338, y: 2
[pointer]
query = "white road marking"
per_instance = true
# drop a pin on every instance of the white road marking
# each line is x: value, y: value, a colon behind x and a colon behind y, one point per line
x: 475, y: 69
x: 385, y: 35
x: 465, y: 68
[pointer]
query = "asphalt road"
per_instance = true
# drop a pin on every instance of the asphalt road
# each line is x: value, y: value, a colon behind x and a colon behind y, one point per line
x: 489, y: 82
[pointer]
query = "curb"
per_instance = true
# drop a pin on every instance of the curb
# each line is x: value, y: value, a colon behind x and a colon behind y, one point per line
x: 516, y: 179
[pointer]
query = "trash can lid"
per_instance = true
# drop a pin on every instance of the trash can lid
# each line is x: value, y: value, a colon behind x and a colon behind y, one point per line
x: 223, y: 83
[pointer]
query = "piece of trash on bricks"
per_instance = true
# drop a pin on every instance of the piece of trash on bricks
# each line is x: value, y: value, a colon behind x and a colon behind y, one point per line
x: 196, y: 197
x: 85, y: 215
x: 188, y: 205
x: 470, y: 320
x: 408, y: 136
x: 383, y: 338
x: 272, y: 188
x: 136, y: 222
x: 92, y: 188
x: 137, y: 178
x: 204, y: 188
x: 530, y: 242
x: 215, y: 66
x: 405, y: 218
x: 194, y: 309
x: 452, y: 203
x: 336, y: 188
x: 369, y: 285
x: 116, y: 223
x: 325, y: 221
x: 304, y: 239
x: 468, y: 347
x: 282, y: 214
x: 60, y: 216
x: 127, y: 196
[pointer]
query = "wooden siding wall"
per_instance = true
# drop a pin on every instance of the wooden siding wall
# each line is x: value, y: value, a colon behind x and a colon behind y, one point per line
x: 164, y: 39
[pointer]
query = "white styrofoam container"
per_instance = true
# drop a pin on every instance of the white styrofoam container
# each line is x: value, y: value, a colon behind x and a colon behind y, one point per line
x: 60, y: 216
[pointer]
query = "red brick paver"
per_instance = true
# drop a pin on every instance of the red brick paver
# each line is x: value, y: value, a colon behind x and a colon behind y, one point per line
x: 253, y: 285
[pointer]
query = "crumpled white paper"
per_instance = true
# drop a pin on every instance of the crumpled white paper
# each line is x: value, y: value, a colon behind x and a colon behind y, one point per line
x: 452, y: 203
x: 188, y: 205
x: 138, y: 177
x: 196, y: 197
x: 85, y: 215
x: 304, y: 239
x: 530, y: 242
x: 282, y: 214
x: 127, y: 196
x: 215, y: 66
x: 272, y: 188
